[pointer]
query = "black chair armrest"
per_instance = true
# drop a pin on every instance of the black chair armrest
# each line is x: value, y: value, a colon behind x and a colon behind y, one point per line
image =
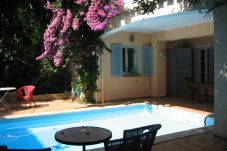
x: 114, y: 145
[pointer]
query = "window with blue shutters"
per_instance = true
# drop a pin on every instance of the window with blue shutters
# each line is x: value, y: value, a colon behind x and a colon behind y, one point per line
x: 147, y: 60
x: 116, y: 60
x: 130, y: 65
x: 130, y: 60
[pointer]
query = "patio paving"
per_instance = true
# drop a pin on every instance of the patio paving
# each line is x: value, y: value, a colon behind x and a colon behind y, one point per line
x: 56, y: 105
x: 200, y: 142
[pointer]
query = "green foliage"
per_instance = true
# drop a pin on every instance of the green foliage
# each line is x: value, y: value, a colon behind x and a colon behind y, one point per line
x: 57, y: 4
x: 47, y: 69
x: 147, y: 6
x: 85, y: 47
x: 52, y: 79
x: 20, y: 34
x: 87, y: 75
x: 209, y: 5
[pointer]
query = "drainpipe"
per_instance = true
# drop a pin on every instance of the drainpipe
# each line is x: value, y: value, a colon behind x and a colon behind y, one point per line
x: 102, y: 79
x: 150, y: 89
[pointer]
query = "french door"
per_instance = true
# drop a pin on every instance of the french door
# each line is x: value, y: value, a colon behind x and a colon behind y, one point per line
x: 179, y: 64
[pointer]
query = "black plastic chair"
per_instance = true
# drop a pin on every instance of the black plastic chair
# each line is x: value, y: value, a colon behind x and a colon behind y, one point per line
x: 114, y: 145
x: 137, y: 139
x: 5, y: 148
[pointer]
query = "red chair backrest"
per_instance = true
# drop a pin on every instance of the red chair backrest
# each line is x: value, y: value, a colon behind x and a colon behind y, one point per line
x: 28, y: 92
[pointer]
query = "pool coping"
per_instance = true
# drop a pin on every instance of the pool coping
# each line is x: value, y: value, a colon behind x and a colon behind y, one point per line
x: 183, y: 134
x: 68, y: 111
x: 78, y: 109
x: 95, y: 107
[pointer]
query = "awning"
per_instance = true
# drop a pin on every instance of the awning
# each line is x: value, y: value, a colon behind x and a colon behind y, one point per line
x: 163, y: 23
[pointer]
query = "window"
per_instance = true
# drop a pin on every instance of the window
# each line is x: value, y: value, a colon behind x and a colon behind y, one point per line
x: 130, y: 60
x: 204, y: 65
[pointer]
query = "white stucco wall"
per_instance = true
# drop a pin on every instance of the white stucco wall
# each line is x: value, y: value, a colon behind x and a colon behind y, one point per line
x: 131, y: 15
x: 117, y: 88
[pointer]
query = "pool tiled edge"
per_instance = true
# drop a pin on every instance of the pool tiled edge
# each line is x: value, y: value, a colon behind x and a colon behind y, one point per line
x: 179, y: 135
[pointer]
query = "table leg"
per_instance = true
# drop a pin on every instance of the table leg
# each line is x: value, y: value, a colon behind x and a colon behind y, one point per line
x: 4, y: 101
x: 196, y: 94
x: 206, y: 93
x: 84, y: 148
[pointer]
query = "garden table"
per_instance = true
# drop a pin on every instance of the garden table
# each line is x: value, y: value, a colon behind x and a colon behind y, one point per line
x: 197, y: 87
x: 2, y: 97
x: 85, y: 135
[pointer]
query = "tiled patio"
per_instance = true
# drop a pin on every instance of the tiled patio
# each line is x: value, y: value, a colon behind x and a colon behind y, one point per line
x: 200, y: 142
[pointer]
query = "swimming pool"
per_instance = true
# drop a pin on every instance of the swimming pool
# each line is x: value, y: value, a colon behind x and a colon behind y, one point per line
x: 38, y: 131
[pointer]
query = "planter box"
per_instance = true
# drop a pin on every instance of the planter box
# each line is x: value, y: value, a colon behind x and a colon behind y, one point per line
x: 11, y: 96
x: 57, y: 96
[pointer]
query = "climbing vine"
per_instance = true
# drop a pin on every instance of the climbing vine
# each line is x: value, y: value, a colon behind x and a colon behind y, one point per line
x: 73, y: 35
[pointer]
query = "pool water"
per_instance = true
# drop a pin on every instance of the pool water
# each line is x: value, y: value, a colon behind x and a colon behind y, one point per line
x: 38, y: 131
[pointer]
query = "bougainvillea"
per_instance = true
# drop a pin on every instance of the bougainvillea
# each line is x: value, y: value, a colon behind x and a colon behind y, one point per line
x: 96, y: 13
x: 99, y: 14
x: 74, y: 34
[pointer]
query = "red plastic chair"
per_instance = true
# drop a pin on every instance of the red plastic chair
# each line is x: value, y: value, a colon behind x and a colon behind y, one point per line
x: 25, y: 94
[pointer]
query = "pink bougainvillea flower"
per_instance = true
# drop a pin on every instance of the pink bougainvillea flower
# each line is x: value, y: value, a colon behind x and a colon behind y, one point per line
x: 80, y: 1
x: 75, y: 24
x: 61, y: 21
x: 111, y: 15
x: 57, y: 58
x: 100, y: 14
x: 67, y: 22
x: 82, y: 13
x: 106, y: 7
x: 101, y: 26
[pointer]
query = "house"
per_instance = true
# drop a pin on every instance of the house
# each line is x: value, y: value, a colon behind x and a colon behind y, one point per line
x: 151, y: 54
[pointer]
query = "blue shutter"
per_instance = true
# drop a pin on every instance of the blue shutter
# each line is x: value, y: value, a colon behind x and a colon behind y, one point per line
x: 116, y: 60
x: 147, y: 60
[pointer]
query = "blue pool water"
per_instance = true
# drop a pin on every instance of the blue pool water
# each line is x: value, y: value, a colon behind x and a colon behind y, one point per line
x: 38, y: 131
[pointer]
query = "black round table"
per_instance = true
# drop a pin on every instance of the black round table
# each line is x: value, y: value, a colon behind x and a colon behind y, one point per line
x: 85, y: 135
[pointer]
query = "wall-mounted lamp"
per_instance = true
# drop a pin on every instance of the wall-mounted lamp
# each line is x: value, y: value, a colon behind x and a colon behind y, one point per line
x: 162, y: 54
x: 131, y: 37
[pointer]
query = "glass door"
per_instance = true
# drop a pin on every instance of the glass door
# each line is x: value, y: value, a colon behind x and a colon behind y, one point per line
x: 204, y: 72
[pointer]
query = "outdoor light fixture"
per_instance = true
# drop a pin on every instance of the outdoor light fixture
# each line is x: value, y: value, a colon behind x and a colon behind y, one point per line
x: 131, y: 37
x: 162, y: 54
